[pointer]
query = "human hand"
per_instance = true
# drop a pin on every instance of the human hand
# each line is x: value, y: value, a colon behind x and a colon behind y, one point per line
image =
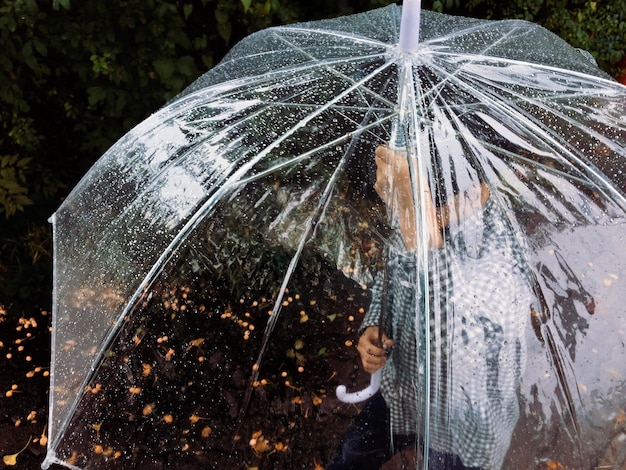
x: 393, y: 181
x: 373, y: 349
x: 393, y: 185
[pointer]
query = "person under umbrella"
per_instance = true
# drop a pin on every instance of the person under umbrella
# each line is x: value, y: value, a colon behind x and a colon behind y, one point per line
x: 480, y: 300
x: 204, y: 184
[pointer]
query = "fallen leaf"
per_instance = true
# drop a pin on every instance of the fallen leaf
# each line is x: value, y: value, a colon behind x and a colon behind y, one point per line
x: 259, y: 443
x: 620, y: 421
x: 11, y: 459
x: 553, y: 465
x: 43, y: 440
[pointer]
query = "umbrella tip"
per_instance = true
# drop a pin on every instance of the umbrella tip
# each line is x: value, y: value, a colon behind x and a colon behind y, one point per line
x: 410, y: 25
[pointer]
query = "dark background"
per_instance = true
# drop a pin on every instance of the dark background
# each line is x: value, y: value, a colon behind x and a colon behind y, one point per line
x: 76, y: 75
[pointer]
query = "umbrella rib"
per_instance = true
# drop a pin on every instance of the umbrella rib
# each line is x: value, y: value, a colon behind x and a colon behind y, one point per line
x: 309, y: 226
x: 599, y: 92
x: 332, y: 33
x: 561, y: 374
x: 246, y: 83
x: 332, y: 70
x: 522, y: 26
x: 528, y: 123
x: 478, y: 28
x: 229, y: 185
x: 476, y: 143
x: 340, y: 60
x: 484, y: 56
x: 304, y: 121
x: 477, y: 58
x: 355, y: 85
x: 543, y: 166
x: 325, y: 65
x: 315, y: 106
x: 288, y: 104
x: 559, y: 362
x: 449, y: 76
x: 191, y: 151
x: 303, y: 156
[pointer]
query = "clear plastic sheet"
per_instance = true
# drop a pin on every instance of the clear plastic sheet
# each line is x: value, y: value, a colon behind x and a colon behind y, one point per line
x: 214, y: 269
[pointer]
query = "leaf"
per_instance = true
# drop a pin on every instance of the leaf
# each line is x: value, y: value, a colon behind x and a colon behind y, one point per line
x: 224, y: 25
x: 221, y: 16
x: 61, y: 3
x: 27, y: 55
x: 43, y: 440
x: 225, y: 31
x: 187, y: 9
x: 95, y: 94
x: 165, y: 68
x: 11, y: 459
x: 186, y: 66
x: 246, y: 5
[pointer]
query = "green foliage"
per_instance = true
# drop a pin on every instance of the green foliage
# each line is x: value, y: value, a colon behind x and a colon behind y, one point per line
x: 13, y: 189
x: 598, y: 27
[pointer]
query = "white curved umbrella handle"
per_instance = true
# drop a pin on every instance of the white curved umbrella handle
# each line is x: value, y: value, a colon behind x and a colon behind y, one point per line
x: 367, y: 392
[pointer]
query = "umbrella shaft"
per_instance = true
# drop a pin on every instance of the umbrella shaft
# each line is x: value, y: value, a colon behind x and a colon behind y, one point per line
x: 410, y: 25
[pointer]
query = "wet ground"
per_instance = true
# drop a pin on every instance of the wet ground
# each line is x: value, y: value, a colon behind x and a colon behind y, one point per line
x: 174, y: 389
x: 179, y: 386
x: 169, y: 391
x: 24, y: 382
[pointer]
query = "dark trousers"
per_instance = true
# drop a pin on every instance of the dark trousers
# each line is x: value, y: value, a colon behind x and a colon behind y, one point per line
x: 368, y: 443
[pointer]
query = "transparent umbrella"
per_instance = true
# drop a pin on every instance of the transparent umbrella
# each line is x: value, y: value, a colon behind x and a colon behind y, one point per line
x: 216, y: 267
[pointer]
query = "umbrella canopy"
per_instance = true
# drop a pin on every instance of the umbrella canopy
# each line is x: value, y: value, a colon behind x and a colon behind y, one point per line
x: 213, y: 268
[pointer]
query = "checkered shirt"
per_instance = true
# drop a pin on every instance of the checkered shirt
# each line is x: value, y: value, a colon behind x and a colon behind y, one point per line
x: 478, y: 301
